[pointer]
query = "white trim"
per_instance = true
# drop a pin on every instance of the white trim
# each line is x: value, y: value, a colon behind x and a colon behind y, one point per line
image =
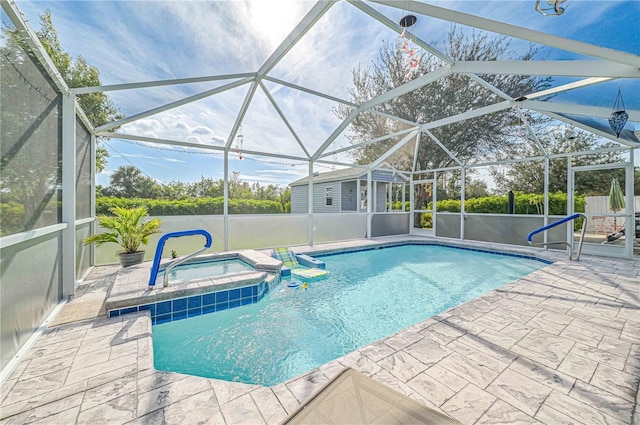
x: 17, y: 358
x: 85, y: 221
x: 29, y: 235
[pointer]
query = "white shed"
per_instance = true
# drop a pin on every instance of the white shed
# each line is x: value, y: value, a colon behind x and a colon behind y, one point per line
x: 344, y: 191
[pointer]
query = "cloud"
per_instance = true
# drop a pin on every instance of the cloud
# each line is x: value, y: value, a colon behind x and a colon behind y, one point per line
x: 173, y: 160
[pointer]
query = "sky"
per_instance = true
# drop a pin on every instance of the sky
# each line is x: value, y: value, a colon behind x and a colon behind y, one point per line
x: 132, y: 41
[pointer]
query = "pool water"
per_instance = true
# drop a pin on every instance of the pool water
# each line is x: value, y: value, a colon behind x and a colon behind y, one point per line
x: 193, y: 271
x: 369, y: 295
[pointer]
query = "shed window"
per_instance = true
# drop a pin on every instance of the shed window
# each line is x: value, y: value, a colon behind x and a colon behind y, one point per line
x: 328, y: 195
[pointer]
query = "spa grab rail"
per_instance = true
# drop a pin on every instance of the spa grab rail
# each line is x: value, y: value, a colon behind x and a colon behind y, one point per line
x: 156, y: 260
x: 557, y: 223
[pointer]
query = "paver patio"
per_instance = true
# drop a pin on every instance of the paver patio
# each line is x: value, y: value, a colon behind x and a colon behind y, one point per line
x: 558, y: 346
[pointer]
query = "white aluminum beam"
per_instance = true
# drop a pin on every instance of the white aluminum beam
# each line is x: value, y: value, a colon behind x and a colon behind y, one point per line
x: 473, y: 113
x: 310, y: 91
x: 368, y: 142
x: 243, y: 110
x: 130, y: 86
x: 394, y: 118
x: 443, y: 147
x: 160, y: 141
x: 284, y: 118
x: 566, y: 68
x: 68, y: 252
x: 335, y: 134
x: 175, y: 104
x: 393, y: 149
x: 583, y: 110
x: 569, y: 86
x: 514, y: 31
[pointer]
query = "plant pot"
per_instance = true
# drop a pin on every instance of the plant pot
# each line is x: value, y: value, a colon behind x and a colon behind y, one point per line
x: 127, y: 260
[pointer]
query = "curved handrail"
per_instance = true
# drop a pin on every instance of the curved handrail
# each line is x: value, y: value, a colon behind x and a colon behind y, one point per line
x: 557, y: 223
x: 158, y: 256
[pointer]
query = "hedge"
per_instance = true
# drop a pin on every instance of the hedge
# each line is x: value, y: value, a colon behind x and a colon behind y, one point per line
x: 198, y: 206
x: 524, y: 204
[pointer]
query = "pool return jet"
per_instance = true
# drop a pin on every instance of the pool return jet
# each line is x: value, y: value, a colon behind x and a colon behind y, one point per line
x: 158, y: 257
x: 557, y: 223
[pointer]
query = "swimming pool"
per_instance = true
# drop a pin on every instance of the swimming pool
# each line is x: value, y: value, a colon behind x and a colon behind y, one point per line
x: 368, y: 296
x: 198, y: 270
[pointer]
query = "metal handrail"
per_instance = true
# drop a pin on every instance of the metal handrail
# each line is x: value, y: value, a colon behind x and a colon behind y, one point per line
x: 156, y: 260
x: 557, y: 223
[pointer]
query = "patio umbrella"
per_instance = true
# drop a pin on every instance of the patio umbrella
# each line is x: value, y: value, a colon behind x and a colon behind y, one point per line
x: 616, y: 199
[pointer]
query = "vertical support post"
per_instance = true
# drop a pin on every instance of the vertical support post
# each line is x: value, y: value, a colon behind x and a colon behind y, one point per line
x: 311, y: 203
x: 93, y: 149
x: 463, y: 172
x: 434, y: 199
x: 358, y: 195
x: 390, y: 196
x: 630, y: 218
x: 69, y: 195
x: 404, y: 187
x: 411, y: 201
x: 225, y: 207
x: 369, y: 204
x: 570, y: 204
x: 546, y: 198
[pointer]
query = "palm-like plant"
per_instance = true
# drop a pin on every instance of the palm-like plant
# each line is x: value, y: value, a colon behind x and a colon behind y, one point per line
x: 126, y: 229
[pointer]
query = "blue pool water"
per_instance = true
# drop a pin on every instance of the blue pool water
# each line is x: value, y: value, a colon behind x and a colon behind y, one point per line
x: 368, y: 296
x: 193, y: 271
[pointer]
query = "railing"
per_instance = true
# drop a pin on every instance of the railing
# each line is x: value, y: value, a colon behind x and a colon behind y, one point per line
x: 557, y: 223
x: 158, y: 256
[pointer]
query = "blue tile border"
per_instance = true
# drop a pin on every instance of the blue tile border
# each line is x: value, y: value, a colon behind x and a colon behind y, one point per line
x: 486, y: 251
x: 196, y: 305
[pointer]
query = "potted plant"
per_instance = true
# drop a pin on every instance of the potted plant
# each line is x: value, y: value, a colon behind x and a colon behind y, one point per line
x: 128, y: 231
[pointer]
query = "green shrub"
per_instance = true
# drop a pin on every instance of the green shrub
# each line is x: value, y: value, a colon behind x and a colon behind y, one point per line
x: 193, y: 206
x: 11, y: 218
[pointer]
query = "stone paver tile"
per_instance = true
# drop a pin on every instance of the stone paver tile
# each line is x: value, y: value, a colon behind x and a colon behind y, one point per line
x: 498, y: 338
x: 615, y: 346
x: 490, y: 361
x: 600, y: 325
x: 68, y: 416
x: 550, y: 416
x: 466, y: 325
x: 286, y: 398
x: 201, y: 408
x: 42, y: 399
x: 153, y: 418
x: 485, y: 346
x: 125, y: 349
x: 377, y: 351
x: 616, y: 382
x: 468, y: 369
x: 6, y: 390
x: 360, y: 362
x: 331, y: 369
x: 226, y: 391
x: 599, y: 356
x: 487, y: 323
x: 403, y: 339
x: 49, y: 363
x: 108, y: 391
x: 552, y: 304
x: 516, y: 330
x: 578, y: 367
x: 46, y: 350
x: 118, y: 410
x: 431, y: 389
x: 306, y: 385
x: 604, y: 400
x: 386, y: 378
x: 112, y: 375
x: 36, y: 387
x: 504, y: 413
x: 543, y: 347
x: 631, y: 312
x: 170, y: 393
x: 519, y: 316
x: 269, y: 406
x: 427, y: 351
x: 158, y: 379
x: 97, y: 369
x: 540, y: 322
x: 521, y: 392
x: 469, y: 405
x: 448, y: 378
x: 579, y: 337
x: 579, y: 412
x: 442, y: 333
x: 88, y: 359
x: 46, y: 410
x: 242, y: 411
x: 550, y: 377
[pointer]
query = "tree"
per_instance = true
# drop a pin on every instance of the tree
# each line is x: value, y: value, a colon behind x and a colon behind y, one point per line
x: 127, y: 181
x: 528, y: 177
x: 98, y: 107
x: 445, y: 97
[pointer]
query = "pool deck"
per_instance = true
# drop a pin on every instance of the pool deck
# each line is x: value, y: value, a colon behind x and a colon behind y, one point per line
x: 559, y: 346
